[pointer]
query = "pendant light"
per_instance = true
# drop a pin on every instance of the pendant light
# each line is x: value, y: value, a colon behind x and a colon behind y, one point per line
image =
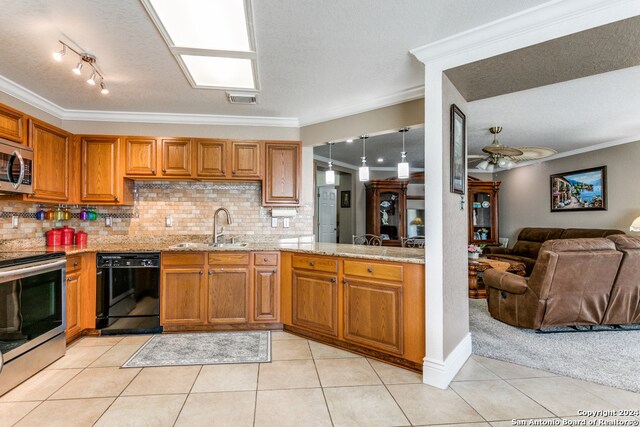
x: 403, y: 166
x: 363, y: 172
x: 330, y: 174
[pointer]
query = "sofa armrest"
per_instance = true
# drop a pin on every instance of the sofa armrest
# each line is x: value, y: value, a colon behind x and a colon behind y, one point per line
x: 504, y: 281
x: 491, y: 250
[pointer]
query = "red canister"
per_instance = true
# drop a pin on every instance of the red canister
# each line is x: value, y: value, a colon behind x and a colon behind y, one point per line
x: 54, y: 237
x: 81, y: 238
x: 67, y: 235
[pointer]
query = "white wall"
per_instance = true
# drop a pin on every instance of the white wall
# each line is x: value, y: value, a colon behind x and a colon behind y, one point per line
x: 525, y: 194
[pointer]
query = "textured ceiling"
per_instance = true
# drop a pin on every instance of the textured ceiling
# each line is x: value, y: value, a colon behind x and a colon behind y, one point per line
x: 598, y: 50
x: 312, y: 58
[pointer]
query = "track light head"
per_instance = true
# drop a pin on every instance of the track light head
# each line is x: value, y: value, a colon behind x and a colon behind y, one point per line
x: 59, y: 54
x: 92, y: 80
x: 103, y: 88
x: 78, y: 69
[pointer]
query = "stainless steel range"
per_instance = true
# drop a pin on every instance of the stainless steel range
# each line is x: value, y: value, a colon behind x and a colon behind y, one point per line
x: 32, y: 314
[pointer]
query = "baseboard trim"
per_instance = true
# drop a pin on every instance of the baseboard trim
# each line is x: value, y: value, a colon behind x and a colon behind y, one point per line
x: 439, y: 374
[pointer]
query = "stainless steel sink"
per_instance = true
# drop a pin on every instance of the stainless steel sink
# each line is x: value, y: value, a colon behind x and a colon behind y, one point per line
x: 190, y: 245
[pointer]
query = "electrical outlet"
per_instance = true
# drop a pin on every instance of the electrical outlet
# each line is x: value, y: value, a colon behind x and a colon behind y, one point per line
x: 15, y: 221
x: 168, y: 222
x: 107, y: 221
x: 285, y: 222
x: 274, y: 222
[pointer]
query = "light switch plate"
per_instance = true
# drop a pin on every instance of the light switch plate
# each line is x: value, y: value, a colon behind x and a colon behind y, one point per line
x: 168, y: 222
x: 15, y: 221
x: 274, y: 222
x: 107, y: 221
x: 285, y: 222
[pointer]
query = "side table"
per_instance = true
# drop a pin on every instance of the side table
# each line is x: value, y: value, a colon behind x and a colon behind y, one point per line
x: 477, y: 289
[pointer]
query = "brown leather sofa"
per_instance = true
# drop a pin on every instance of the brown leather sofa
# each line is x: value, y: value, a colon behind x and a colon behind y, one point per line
x: 570, y: 285
x: 531, y: 239
x: 624, y: 301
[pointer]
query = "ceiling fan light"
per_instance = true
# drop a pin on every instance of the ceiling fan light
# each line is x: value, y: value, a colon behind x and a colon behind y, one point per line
x: 502, y: 162
x: 78, y: 69
x: 483, y: 165
x: 510, y: 164
x: 490, y: 167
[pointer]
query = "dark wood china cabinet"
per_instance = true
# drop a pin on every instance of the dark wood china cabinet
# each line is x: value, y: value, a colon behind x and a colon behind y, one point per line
x: 483, y: 211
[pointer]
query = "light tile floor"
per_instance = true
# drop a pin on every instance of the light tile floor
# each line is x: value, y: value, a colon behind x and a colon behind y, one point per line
x: 307, y: 384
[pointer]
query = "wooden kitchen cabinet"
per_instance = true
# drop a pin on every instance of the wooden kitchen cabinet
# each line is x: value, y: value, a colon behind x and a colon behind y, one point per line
x: 228, y: 295
x: 12, y: 124
x: 266, y: 289
x: 211, y: 158
x: 101, y: 179
x: 246, y: 159
x: 140, y: 158
x: 80, y: 294
x: 51, y: 162
x: 315, y: 294
x: 282, y: 174
x: 73, y: 306
x: 183, y: 289
x: 176, y: 157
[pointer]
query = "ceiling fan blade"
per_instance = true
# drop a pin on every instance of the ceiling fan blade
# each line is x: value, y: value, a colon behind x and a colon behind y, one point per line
x: 533, y: 153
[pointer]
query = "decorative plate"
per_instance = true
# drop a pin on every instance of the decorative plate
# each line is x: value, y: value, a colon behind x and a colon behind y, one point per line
x: 385, y: 204
x: 486, y: 204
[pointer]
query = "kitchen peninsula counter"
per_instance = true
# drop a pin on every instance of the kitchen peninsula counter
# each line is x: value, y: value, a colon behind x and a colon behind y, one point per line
x: 164, y: 244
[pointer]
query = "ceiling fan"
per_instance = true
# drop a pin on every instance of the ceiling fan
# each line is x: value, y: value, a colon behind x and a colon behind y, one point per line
x: 502, y: 156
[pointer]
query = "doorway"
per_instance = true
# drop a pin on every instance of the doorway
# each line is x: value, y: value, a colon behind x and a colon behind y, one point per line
x: 327, y: 214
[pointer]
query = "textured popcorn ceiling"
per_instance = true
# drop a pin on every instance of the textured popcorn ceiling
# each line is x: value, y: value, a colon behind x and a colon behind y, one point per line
x: 313, y: 56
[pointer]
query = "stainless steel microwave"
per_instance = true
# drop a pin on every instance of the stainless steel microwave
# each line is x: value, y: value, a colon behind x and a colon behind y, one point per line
x: 16, y: 168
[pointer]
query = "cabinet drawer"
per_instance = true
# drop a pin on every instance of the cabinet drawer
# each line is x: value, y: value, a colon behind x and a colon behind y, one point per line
x: 373, y: 270
x: 183, y: 258
x: 229, y: 258
x: 315, y: 263
x: 265, y: 259
x: 74, y: 263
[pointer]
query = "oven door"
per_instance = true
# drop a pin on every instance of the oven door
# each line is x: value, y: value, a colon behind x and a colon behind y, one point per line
x: 32, y: 306
x: 16, y: 168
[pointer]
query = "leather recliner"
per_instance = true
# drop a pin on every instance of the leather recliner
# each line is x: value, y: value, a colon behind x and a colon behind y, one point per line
x: 624, y: 301
x: 570, y: 285
x: 530, y: 240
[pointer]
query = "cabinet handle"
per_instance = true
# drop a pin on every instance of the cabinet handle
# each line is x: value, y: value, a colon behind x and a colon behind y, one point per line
x: 68, y: 279
x: 233, y: 172
x: 75, y: 263
x: 115, y: 198
x: 164, y: 170
x: 344, y: 281
x: 201, y: 272
x: 153, y: 171
x: 311, y: 263
x: 370, y: 270
x: 210, y: 273
x: 266, y: 259
x: 275, y: 271
x: 333, y: 280
x: 31, y: 194
x: 223, y: 172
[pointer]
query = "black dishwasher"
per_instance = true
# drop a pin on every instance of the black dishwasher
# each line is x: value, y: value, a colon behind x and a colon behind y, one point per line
x: 127, y: 293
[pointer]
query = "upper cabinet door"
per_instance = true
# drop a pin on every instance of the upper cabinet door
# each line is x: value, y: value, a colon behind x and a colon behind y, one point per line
x: 245, y: 160
x: 211, y: 157
x: 12, y: 124
x: 100, y: 169
x: 51, y: 162
x: 176, y: 157
x: 282, y: 177
x: 140, y: 156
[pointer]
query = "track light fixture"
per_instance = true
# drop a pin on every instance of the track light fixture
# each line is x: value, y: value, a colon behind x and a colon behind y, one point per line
x: 83, y: 58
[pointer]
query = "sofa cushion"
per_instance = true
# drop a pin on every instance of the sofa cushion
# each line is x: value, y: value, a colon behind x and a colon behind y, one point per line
x: 622, y: 241
x: 531, y: 238
x: 578, y: 233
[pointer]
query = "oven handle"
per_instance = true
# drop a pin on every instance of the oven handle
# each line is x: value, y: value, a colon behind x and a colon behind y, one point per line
x: 32, y: 269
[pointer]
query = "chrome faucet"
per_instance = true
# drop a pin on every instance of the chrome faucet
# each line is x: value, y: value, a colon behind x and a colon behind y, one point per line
x: 216, y: 235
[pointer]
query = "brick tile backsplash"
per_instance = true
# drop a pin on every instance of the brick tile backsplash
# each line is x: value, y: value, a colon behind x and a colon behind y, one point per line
x: 189, y: 204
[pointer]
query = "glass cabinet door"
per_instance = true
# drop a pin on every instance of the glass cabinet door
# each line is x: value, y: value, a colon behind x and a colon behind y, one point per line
x: 415, y: 218
x: 389, y: 215
x: 481, y: 216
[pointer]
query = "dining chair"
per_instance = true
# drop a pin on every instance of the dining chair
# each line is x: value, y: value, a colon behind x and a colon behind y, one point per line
x: 367, y: 239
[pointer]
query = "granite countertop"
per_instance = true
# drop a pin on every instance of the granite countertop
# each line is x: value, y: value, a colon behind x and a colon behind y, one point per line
x: 166, y: 243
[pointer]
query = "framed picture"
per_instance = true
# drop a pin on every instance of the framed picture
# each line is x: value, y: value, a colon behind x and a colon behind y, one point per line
x: 458, y: 150
x: 345, y: 199
x: 581, y: 190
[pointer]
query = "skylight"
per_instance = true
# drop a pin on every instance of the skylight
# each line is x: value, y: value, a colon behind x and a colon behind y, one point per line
x: 205, y: 24
x: 220, y: 72
x: 212, y: 40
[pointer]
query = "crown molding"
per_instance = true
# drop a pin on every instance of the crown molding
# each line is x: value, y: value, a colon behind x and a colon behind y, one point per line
x: 23, y: 94
x: 365, y: 106
x: 531, y: 26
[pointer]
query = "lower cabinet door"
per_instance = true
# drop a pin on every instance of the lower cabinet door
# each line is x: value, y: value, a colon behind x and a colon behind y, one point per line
x: 228, y: 299
x: 265, y: 294
x: 73, y: 306
x: 183, y: 293
x: 373, y: 315
x: 315, y: 302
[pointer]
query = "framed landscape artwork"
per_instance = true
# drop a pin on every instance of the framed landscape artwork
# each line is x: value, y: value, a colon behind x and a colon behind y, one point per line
x: 458, y: 149
x: 581, y: 190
